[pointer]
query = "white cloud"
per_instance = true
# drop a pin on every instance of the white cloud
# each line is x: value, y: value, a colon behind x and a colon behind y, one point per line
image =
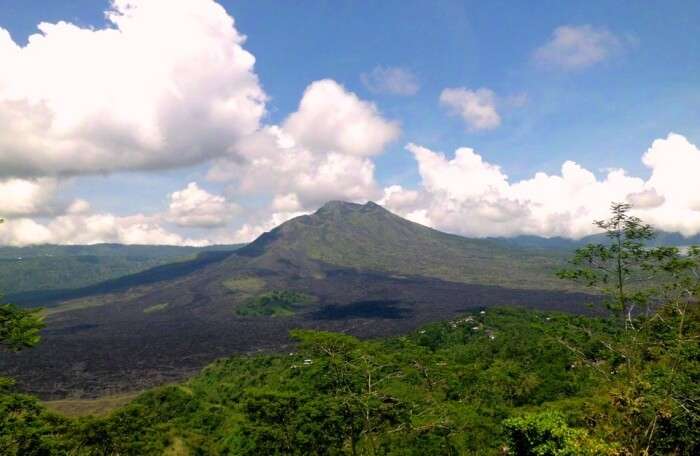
x: 575, y: 47
x: 470, y: 196
x: 90, y: 229
x: 195, y: 207
x: 276, y: 166
x: 331, y: 119
x: 646, y: 199
x: 476, y: 107
x: 166, y: 84
x: 397, y: 197
x: 24, y: 197
x: 464, y: 194
x: 319, y: 153
x: 675, y: 162
x: 286, y: 203
x: 78, y: 206
x: 59, y: 222
x: 391, y: 80
x: 262, y: 222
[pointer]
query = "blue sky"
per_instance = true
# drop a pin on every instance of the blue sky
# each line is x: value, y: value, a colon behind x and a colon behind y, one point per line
x: 602, y: 114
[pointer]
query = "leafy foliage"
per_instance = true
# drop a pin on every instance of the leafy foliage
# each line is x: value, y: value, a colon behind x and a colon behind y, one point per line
x: 631, y: 275
x: 19, y: 328
x: 275, y: 304
x: 505, y: 380
x: 548, y: 434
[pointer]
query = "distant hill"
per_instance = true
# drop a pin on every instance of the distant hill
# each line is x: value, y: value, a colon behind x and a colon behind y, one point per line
x: 52, y: 267
x: 559, y: 243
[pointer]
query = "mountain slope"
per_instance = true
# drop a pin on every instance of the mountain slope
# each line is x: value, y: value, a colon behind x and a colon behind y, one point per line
x: 370, y: 238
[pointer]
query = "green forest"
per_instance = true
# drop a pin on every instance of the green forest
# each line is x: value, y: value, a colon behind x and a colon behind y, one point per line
x: 624, y: 380
x: 53, y: 267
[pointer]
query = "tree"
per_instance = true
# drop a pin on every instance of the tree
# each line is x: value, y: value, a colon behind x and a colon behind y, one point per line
x: 625, y: 270
x: 548, y: 434
x: 19, y: 328
x: 652, y: 365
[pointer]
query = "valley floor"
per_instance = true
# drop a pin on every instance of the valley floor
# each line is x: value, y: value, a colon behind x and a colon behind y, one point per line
x: 113, y: 348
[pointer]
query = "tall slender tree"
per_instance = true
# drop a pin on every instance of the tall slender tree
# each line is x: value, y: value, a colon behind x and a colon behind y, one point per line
x: 624, y: 268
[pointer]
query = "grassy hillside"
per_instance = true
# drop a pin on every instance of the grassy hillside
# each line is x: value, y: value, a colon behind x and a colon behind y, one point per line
x: 368, y: 237
x: 499, y: 382
x: 51, y: 267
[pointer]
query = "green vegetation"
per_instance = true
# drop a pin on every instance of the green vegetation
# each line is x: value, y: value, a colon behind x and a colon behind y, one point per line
x: 52, y: 267
x: 498, y: 381
x: 74, y: 408
x: 475, y: 385
x: 74, y: 305
x: 19, y: 329
x: 370, y: 238
x: 244, y: 284
x: 155, y: 308
x: 275, y: 304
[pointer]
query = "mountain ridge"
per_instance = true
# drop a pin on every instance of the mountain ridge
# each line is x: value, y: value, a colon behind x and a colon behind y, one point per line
x: 368, y: 237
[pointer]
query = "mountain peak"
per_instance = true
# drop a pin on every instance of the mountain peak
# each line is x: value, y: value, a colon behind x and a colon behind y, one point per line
x: 337, y: 206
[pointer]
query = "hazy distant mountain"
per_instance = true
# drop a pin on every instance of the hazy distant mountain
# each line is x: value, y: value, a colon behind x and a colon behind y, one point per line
x: 560, y: 243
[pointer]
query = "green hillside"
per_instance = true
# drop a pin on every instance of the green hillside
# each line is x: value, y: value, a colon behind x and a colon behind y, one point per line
x: 368, y: 237
x: 51, y: 267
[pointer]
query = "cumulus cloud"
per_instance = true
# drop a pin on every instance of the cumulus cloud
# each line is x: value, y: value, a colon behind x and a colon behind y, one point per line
x: 34, y: 214
x: 330, y: 118
x: 166, y: 84
x: 25, y: 197
x: 473, y: 197
x: 262, y: 222
x: 319, y: 152
x: 300, y: 180
x: 675, y: 162
x: 275, y: 165
x: 195, y: 207
x: 476, y: 107
x: 90, y: 229
x: 574, y: 47
x: 646, y: 199
x: 391, y: 80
